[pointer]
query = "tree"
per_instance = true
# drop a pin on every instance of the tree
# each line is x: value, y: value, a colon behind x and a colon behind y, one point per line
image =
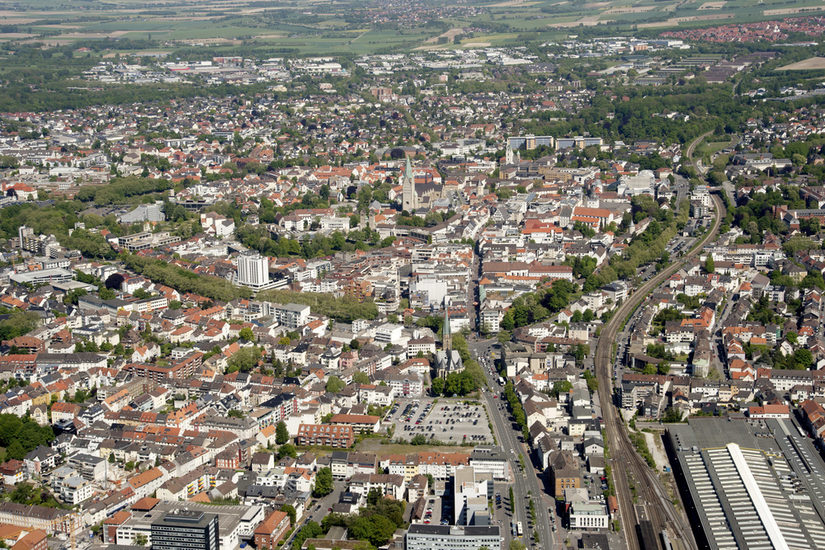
x: 803, y: 358
x: 671, y: 415
x: 281, y: 433
x: 376, y: 529
x: 335, y: 384
x: 419, y: 439
x: 360, y: 378
x: 287, y: 450
x: 290, y: 511
x: 309, y: 531
x: 244, y: 360
x: 438, y: 386
x: 323, y: 483
x: 141, y: 539
x: 560, y: 387
x: 21, y: 435
x: 15, y: 450
x: 246, y: 334
x: 709, y: 266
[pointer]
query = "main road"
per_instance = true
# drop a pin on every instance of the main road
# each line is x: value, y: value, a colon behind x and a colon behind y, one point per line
x: 526, y: 484
x: 627, y: 467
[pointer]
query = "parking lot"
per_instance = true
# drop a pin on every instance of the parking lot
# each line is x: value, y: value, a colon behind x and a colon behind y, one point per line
x: 436, y: 512
x: 447, y: 421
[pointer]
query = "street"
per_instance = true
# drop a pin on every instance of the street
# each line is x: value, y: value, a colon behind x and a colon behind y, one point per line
x: 317, y: 510
x: 526, y: 484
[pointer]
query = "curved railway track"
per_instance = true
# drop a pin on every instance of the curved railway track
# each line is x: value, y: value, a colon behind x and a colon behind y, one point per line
x: 628, y: 468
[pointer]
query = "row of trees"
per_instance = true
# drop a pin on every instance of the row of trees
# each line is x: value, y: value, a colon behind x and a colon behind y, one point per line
x: 184, y: 280
x: 344, y: 309
x: 516, y: 407
x: 538, y: 306
x: 648, y: 247
x: 258, y: 238
x: 124, y: 190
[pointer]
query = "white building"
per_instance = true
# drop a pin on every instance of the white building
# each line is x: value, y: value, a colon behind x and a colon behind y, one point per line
x: 588, y: 515
x: 389, y: 333
x: 492, y: 461
x: 253, y: 271
x: 469, y: 495
x: 292, y: 316
x: 75, y: 490
x: 640, y: 184
x: 453, y: 537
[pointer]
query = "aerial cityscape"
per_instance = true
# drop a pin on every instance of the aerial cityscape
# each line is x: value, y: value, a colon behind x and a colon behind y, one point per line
x: 412, y: 275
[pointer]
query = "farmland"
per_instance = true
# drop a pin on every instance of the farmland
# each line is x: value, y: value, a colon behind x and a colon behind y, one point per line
x: 305, y: 27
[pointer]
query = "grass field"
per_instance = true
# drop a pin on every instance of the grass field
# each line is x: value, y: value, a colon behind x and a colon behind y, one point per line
x: 711, y: 147
x: 356, y: 27
x: 373, y: 445
x: 810, y: 64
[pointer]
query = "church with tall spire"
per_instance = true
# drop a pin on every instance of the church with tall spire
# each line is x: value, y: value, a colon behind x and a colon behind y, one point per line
x: 447, y: 359
x: 447, y: 332
x: 409, y: 197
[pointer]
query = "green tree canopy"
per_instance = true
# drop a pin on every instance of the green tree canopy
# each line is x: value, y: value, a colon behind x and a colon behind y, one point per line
x: 323, y: 483
x: 281, y: 433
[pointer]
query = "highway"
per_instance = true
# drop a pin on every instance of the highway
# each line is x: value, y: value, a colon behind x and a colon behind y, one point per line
x: 523, y: 481
x: 628, y: 468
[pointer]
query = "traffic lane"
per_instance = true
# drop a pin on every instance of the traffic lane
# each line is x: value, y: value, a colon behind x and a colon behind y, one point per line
x: 524, y: 481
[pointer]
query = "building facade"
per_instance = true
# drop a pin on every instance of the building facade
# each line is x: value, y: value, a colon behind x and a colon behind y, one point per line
x: 186, y: 530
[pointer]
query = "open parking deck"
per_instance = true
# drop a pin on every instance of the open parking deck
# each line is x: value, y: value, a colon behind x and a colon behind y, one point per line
x: 453, y: 421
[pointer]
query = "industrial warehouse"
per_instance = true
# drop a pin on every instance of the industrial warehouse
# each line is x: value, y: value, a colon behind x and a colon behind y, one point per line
x: 749, y: 483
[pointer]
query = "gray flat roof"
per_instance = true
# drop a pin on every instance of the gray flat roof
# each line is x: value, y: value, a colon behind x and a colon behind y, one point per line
x: 752, y: 482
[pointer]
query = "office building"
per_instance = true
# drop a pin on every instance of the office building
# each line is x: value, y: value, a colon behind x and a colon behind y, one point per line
x: 186, y: 530
x: 490, y: 460
x: 233, y: 523
x: 452, y: 537
x: 253, y: 271
x: 470, y: 497
x: 589, y: 515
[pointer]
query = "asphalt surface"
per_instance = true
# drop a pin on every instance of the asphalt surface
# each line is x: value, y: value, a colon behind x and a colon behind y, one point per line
x: 627, y: 467
x: 524, y: 481
x: 317, y: 510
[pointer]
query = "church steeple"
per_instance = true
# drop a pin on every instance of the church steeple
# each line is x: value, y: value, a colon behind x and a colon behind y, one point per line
x: 409, y: 198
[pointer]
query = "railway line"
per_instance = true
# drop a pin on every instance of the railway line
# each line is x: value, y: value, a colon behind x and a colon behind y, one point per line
x: 632, y: 478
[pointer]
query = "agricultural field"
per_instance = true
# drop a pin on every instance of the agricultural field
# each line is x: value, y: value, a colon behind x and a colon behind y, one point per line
x: 307, y: 27
x: 810, y: 64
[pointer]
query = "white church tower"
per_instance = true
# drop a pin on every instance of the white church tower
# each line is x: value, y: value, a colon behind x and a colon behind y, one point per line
x: 409, y: 198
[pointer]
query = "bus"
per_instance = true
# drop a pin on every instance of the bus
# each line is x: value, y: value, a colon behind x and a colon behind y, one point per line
x: 519, y: 530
